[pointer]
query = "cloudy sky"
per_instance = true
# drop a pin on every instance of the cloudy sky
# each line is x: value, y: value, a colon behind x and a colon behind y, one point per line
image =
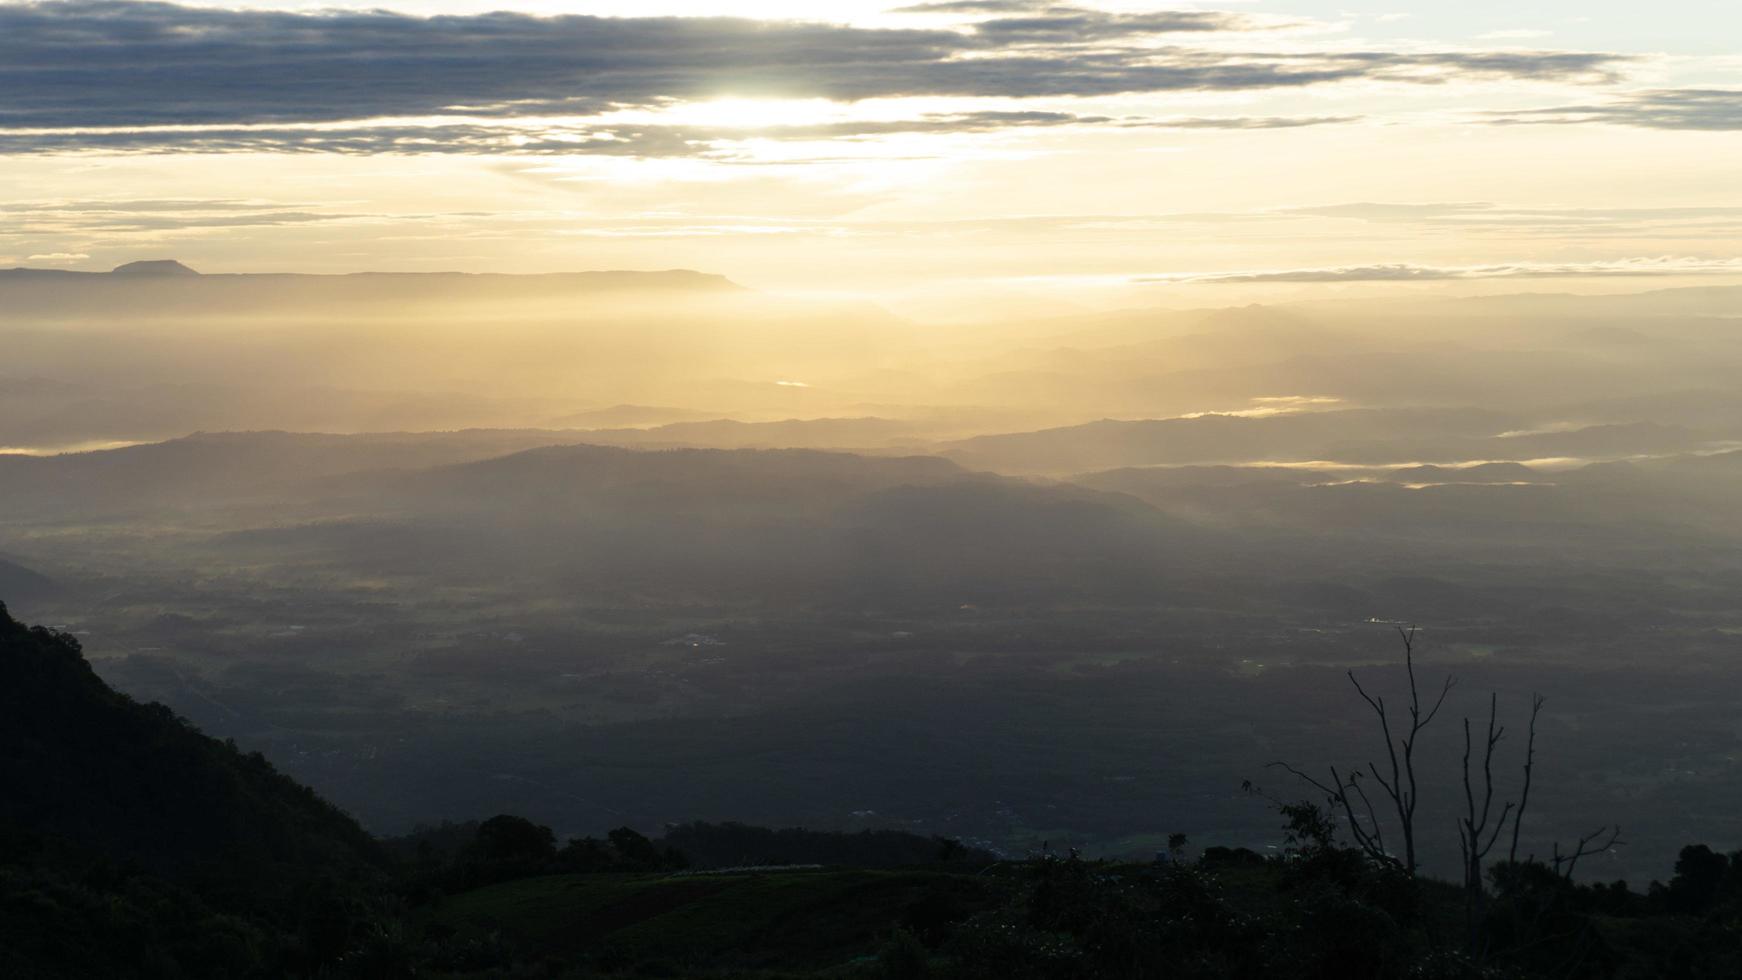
x: 866, y: 147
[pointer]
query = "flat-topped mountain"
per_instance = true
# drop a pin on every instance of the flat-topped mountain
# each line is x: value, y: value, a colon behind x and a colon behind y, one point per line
x: 165, y: 286
x: 153, y: 267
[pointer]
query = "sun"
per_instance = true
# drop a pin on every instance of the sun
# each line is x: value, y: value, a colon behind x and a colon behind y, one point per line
x: 837, y: 11
x: 747, y: 113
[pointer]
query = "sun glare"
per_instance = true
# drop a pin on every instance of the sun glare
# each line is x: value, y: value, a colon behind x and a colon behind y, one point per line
x: 743, y: 113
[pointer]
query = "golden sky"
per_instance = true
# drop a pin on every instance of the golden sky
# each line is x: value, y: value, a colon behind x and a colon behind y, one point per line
x: 1103, y: 150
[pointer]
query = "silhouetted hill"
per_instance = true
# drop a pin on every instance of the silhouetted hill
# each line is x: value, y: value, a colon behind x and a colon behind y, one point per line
x: 153, y: 267
x: 132, y: 783
x: 826, y: 433
x: 205, y: 468
x: 163, y: 287
x: 1686, y: 300
x: 792, y: 525
x: 1215, y: 438
x: 626, y: 416
x: 719, y: 481
x: 1352, y: 436
x: 22, y: 583
x: 1419, y: 502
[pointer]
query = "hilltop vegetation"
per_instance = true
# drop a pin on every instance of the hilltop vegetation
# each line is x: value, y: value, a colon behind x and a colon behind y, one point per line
x: 133, y: 846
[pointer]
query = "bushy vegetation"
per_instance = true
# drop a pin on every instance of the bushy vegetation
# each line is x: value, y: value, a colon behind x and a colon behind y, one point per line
x: 724, y: 845
x: 133, y: 846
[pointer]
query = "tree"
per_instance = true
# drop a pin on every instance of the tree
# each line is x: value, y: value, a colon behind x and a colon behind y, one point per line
x: 509, y: 838
x: 1699, y: 877
x: 1401, y: 788
x: 1485, y: 816
x: 1475, y: 836
x: 634, y: 848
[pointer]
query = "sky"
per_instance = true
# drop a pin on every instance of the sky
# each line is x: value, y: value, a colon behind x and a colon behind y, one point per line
x: 1085, y: 152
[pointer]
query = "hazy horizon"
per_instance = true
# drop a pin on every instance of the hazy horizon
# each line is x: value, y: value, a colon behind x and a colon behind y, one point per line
x: 1115, y: 153
x: 974, y: 431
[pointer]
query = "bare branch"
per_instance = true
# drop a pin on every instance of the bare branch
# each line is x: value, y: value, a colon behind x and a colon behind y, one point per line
x: 1370, y: 838
x: 1372, y: 814
x: 1584, y: 848
x: 1536, y: 703
x: 1390, y: 790
x: 1498, y: 824
x: 1292, y: 771
x: 1445, y: 689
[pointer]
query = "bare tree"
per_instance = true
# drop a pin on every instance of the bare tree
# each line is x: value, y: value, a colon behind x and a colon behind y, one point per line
x: 1479, y: 827
x: 1476, y: 838
x: 1400, y: 788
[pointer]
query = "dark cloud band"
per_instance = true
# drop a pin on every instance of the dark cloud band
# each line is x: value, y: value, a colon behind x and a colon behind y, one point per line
x: 100, y: 64
x: 1710, y: 109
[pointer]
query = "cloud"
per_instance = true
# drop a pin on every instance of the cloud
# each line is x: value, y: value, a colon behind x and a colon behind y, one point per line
x: 1710, y: 109
x: 1476, y: 217
x: 131, y: 206
x: 516, y: 139
x: 1672, y: 228
x: 1369, y: 273
x: 57, y: 257
x: 973, y: 7
x: 1014, y: 21
x: 1464, y: 218
x: 1622, y: 268
x: 1076, y: 25
x: 74, y: 71
x: 1244, y: 122
x: 22, y: 218
x: 1514, y: 34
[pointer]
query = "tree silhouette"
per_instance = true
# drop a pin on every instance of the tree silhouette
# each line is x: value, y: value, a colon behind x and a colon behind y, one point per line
x: 510, y: 838
x: 1401, y: 789
x: 1486, y: 815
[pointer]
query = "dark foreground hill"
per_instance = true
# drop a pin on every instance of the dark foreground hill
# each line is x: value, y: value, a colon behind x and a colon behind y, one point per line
x: 131, y: 846
x: 131, y: 782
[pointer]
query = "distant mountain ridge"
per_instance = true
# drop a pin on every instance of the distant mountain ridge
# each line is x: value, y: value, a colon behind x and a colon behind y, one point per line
x: 175, y: 269
x: 158, y: 287
x: 20, y: 582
